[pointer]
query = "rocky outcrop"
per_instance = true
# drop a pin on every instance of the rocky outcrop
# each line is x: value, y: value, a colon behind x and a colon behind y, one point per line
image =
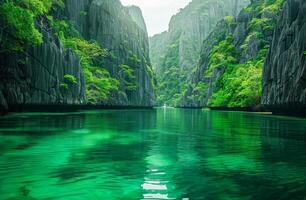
x: 284, y: 76
x: 35, y: 77
x: 123, y: 32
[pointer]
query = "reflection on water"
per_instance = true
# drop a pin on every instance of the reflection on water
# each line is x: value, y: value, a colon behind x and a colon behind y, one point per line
x: 152, y: 154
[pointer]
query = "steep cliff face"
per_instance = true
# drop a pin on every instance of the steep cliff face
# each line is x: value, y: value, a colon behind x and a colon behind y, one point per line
x: 284, y: 75
x: 122, y: 31
x: 158, y: 48
x: 37, y: 75
x: 176, y: 52
x: 136, y: 15
x: 50, y: 73
x: 232, y: 57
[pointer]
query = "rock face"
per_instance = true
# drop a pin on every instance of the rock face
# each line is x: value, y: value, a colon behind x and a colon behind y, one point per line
x: 136, y: 15
x: 36, y: 76
x: 191, y: 26
x: 250, y: 41
x: 284, y: 76
x: 123, y: 32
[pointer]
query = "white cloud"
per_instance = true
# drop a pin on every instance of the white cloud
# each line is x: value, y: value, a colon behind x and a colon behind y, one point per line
x: 157, y: 13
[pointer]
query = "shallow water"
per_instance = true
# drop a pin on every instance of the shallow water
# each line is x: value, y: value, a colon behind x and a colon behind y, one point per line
x: 152, y: 154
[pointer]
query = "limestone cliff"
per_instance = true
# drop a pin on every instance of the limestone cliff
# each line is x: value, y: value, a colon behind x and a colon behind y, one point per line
x: 122, y: 31
x: 284, y: 75
x: 35, y: 76
x: 242, y: 44
x: 177, y: 51
x: 192, y: 25
x: 39, y: 74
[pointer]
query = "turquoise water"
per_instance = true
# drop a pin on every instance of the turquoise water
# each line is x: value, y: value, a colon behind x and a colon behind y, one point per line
x: 152, y: 154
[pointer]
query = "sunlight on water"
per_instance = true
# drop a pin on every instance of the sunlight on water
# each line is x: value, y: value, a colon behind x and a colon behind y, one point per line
x: 152, y: 154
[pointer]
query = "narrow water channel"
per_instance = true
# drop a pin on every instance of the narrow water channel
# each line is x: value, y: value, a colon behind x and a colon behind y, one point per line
x: 152, y: 154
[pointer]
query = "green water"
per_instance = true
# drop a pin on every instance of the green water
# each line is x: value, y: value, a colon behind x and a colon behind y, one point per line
x: 152, y: 154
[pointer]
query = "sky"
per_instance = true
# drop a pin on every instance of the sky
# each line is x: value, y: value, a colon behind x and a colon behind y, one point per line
x: 157, y: 13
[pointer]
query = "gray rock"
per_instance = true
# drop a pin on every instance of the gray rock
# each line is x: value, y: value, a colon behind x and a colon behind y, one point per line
x: 38, y: 80
x: 35, y: 76
x: 136, y: 15
x: 191, y: 26
x: 3, y: 104
x: 284, y: 76
x: 123, y: 32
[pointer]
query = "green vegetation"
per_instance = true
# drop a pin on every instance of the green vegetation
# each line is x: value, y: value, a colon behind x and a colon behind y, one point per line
x: 99, y: 83
x: 18, y: 23
x: 83, y: 13
x: 222, y: 55
x: 172, y: 80
x: 270, y: 6
x: 64, y: 86
x: 128, y: 77
x: 21, y: 24
x: 199, y: 92
x: 18, y: 19
x: 229, y: 19
x: 70, y: 79
x: 240, y: 86
x: 273, y: 6
x: 240, y: 83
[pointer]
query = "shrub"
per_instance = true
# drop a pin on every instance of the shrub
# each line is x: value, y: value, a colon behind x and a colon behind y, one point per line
x: 129, y: 78
x: 70, y: 79
x: 64, y: 86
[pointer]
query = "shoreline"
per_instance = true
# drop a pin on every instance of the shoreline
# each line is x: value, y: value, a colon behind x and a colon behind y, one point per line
x: 66, y: 108
x: 293, y: 110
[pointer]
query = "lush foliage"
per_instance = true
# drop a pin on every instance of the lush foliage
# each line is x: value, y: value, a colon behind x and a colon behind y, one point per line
x: 128, y: 77
x: 240, y: 82
x: 99, y: 83
x: 172, y: 80
x: 18, y: 18
x: 222, y: 55
x: 70, y: 79
x: 240, y: 86
x: 270, y: 6
x: 229, y: 19
x: 69, y: 82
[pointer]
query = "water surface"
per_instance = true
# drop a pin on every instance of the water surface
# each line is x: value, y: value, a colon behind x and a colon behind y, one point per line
x: 152, y: 154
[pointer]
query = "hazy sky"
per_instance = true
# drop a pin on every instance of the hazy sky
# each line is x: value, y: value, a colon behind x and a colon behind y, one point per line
x: 157, y: 13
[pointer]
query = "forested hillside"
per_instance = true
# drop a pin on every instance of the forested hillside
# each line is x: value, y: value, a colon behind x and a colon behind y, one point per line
x: 230, y: 69
x: 73, y: 52
x: 175, y: 53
